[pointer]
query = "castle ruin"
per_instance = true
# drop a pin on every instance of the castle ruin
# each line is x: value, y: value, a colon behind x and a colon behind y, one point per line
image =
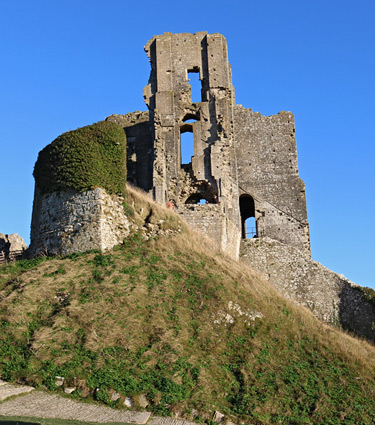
x: 244, y: 165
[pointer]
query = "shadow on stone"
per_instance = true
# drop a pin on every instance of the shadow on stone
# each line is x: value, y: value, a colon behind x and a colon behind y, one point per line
x: 356, y: 312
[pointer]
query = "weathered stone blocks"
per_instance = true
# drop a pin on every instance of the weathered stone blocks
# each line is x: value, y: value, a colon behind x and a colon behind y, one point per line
x: 67, y: 222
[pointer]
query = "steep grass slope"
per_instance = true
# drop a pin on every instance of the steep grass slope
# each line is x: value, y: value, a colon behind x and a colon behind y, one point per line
x: 166, y: 316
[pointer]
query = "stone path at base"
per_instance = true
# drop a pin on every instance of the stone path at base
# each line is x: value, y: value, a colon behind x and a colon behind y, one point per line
x: 40, y: 404
x: 44, y: 405
x: 157, y: 420
x: 9, y: 390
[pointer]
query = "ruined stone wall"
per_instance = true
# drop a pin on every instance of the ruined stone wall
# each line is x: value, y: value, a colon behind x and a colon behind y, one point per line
x: 12, y: 247
x: 140, y: 147
x: 11, y: 243
x: 330, y: 296
x: 67, y: 222
x: 268, y: 172
x: 211, y: 221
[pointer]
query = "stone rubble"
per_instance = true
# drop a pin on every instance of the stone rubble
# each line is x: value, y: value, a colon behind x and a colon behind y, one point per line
x: 218, y: 417
x: 129, y: 402
x: 59, y: 381
x: 115, y: 396
x: 142, y: 401
x: 247, y: 316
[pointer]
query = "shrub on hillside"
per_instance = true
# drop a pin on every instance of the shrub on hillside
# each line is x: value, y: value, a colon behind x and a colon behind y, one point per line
x: 89, y: 157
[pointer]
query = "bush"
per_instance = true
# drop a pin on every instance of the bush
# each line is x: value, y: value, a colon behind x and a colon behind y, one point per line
x: 83, y: 159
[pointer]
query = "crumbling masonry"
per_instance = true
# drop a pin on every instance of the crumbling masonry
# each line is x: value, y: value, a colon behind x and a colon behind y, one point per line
x: 244, y: 165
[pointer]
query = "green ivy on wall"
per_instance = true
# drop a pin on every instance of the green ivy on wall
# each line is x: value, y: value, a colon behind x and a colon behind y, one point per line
x: 83, y: 159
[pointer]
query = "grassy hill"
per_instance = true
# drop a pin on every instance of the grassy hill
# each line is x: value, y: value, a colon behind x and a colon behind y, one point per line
x: 168, y: 317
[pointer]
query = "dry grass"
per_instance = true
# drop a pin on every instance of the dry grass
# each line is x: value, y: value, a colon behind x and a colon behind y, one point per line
x: 153, y: 310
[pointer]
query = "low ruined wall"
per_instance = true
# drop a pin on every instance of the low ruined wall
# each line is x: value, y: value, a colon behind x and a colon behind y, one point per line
x: 211, y: 221
x: 330, y: 296
x: 67, y: 222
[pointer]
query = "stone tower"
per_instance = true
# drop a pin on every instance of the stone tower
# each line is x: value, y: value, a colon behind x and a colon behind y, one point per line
x: 211, y: 176
x: 268, y: 180
x: 244, y: 164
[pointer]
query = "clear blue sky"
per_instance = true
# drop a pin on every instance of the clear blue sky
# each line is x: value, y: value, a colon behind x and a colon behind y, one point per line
x: 65, y: 64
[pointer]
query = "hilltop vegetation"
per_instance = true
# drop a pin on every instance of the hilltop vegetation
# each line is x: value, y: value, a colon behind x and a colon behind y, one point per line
x: 165, y: 316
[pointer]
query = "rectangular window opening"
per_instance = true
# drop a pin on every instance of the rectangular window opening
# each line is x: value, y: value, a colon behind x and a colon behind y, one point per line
x: 187, y: 147
x: 195, y: 85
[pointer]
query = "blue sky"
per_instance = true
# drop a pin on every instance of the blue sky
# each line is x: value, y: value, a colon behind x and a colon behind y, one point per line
x: 68, y: 63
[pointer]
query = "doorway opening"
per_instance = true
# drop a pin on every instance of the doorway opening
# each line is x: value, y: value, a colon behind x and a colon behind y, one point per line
x: 248, y: 222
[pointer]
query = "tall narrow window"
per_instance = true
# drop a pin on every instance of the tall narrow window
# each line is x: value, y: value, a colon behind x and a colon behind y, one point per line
x: 248, y: 222
x: 196, y: 85
x: 187, y: 146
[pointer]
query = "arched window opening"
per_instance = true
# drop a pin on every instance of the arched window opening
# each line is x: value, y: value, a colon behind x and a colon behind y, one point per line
x: 187, y: 144
x: 195, y: 84
x: 191, y: 117
x: 248, y: 222
x: 196, y: 198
